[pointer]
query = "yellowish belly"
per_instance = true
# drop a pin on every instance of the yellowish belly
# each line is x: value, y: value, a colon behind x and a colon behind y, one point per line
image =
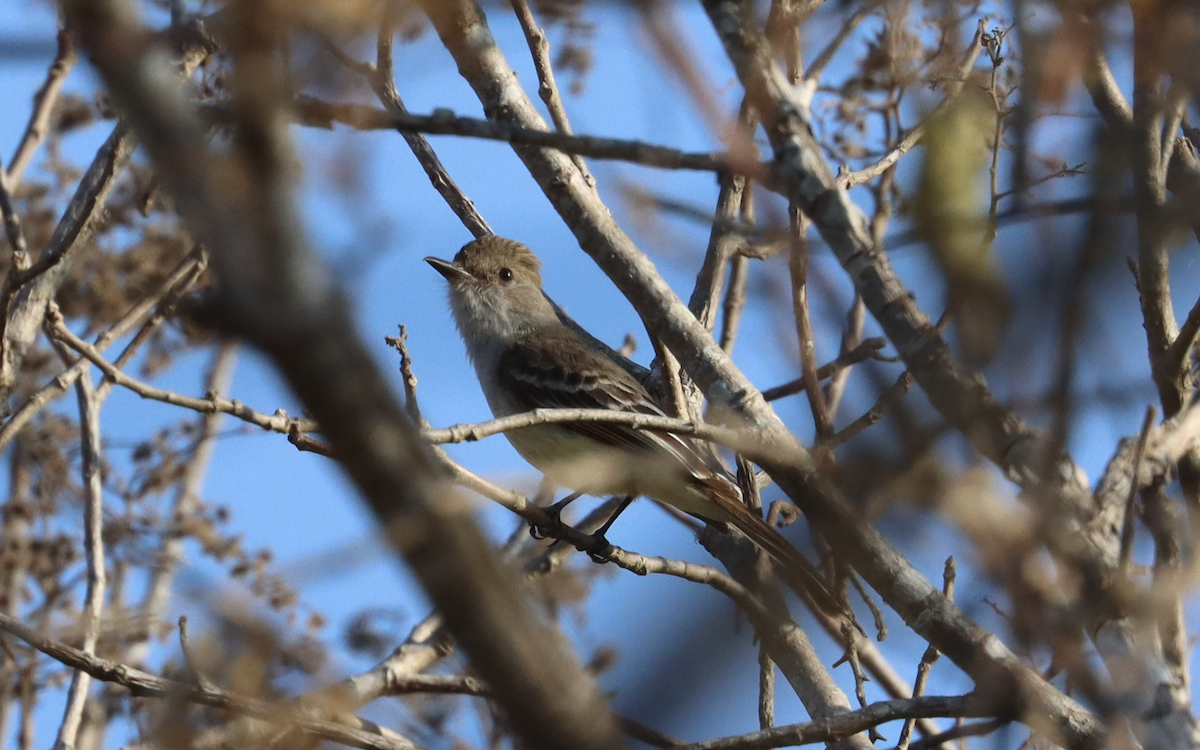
x: 581, y: 464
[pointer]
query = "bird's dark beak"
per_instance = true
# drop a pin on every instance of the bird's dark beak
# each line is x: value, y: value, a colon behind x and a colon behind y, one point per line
x: 453, y: 273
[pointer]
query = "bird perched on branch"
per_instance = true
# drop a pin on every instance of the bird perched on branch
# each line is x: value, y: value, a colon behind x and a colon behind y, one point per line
x: 527, y: 358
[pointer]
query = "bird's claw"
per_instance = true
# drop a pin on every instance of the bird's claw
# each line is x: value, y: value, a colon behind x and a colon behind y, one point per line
x: 554, y: 514
x: 602, y: 551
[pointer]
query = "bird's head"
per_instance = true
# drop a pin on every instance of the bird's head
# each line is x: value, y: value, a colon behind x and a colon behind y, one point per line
x: 495, y: 288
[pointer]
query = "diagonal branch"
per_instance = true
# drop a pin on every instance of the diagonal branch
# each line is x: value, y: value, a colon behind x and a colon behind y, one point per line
x: 275, y: 293
x: 144, y: 684
x: 22, y: 308
x: 179, y: 280
x: 464, y: 32
x: 834, y: 728
x: 539, y: 49
x: 44, y: 100
x: 383, y: 81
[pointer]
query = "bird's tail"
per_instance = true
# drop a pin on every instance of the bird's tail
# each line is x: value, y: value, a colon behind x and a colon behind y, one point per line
x: 793, y: 568
x: 722, y: 495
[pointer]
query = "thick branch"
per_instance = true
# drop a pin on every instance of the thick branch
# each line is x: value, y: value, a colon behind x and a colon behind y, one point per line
x: 275, y: 293
x: 19, y: 325
x: 464, y: 32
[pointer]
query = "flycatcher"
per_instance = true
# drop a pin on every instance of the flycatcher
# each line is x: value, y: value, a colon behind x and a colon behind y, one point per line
x: 526, y: 358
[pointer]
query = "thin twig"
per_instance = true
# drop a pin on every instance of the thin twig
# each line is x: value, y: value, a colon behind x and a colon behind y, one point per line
x: 93, y: 544
x: 851, y: 657
x: 725, y: 232
x: 960, y: 731
x: 316, y: 113
x: 406, y: 375
x: 666, y: 366
x: 798, y: 269
x: 949, y: 573
x: 881, y: 629
x: 876, y: 412
x: 44, y: 100
x: 739, y: 273
x: 146, y: 685
x: 176, y: 282
x: 383, y: 81
x: 1127, y: 529
x: 735, y: 301
x: 278, y: 422
x: 817, y: 67
x: 841, y: 726
x: 642, y: 733
x: 473, y: 432
x: 852, y: 339
x: 868, y: 173
x: 1182, y: 346
x: 185, y: 647
x: 12, y: 230
x: 539, y: 49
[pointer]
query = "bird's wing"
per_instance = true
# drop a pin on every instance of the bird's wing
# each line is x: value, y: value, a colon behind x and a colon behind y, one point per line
x: 559, y: 370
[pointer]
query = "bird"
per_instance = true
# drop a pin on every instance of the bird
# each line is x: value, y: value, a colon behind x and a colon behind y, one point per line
x: 526, y: 357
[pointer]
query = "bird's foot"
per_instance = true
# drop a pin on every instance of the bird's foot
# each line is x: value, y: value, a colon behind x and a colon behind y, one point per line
x: 554, y: 511
x: 602, y: 551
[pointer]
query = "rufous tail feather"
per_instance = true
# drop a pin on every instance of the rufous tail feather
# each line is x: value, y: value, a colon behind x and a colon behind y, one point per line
x: 793, y: 568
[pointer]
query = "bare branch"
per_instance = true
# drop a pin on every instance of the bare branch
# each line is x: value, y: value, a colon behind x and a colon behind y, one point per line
x: 12, y: 229
x: 852, y: 341
x: 406, y: 373
x: 539, y: 48
x: 43, y: 107
x: 798, y: 271
x: 275, y: 293
x: 724, y: 236
x: 144, y: 684
x: 1127, y: 530
x: 211, y: 404
x: 817, y: 67
x: 93, y: 545
x: 22, y: 308
x: 875, y: 413
x: 383, y: 81
x: 178, y: 280
x: 949, y: 573
x: 834, y: 728
x: 317, y: 113
x: 868, y: 173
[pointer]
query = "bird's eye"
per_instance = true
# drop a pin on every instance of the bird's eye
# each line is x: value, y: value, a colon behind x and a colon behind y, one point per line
x: 506, y: 275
